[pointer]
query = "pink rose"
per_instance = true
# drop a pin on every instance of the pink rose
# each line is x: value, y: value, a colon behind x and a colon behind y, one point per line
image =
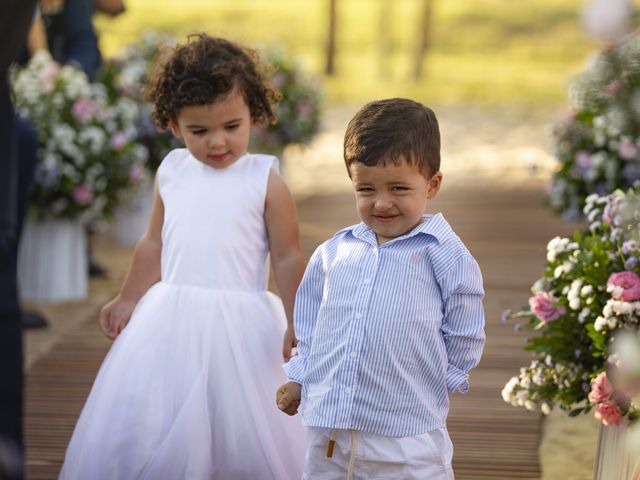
x: 83, y: 109
x: 82, y: 194
x: 601, y: 389
x: 543, y: 306
x: 608, y: 413
x: 625, y: 286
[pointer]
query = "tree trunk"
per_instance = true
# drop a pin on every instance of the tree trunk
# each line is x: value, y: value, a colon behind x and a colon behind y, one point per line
x: 331, y: 40
x: 424, y: 30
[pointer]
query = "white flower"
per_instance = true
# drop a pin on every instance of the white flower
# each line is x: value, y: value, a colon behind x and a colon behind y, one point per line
x: 599, y: 324
x: 574, y: 303
x: 586, y: 290
x: 584, y: 313
x: 545, y: 408
x: 507, y: 391
x: 521, y: 397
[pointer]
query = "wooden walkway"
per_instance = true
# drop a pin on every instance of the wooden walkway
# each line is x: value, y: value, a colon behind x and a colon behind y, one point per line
x: 507, y: 231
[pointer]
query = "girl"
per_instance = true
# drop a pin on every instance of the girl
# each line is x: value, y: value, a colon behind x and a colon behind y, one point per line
x: 186, y: 389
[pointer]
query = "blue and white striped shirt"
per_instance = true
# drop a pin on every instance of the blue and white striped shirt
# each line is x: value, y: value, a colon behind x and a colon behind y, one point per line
x: 386, y: 332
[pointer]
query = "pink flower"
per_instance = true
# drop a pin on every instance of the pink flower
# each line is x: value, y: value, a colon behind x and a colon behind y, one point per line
x: 612, y: 88
x: 627, y: 150
x: 82, y: 194
x: 83, y: 109
x: 583, y: 160
x: 608, y: 413
x: 135, y: 174
x: 569, y: 116
x: 119, y: 140
x: 601, y: 389
x: 543, y: 306
x: 624, y: 286
x: 278, y: 80
x: 48, y: 75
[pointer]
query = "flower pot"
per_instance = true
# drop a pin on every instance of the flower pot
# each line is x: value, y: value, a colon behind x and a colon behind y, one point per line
x: 132, y: 217
x: 52, y: 261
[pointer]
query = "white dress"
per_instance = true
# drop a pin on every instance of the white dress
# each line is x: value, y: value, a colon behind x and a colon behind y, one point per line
x: 187, y: 390
x: 617, y: 453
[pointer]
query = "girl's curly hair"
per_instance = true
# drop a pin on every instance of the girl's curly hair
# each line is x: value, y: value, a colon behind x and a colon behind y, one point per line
x: 204, y: 70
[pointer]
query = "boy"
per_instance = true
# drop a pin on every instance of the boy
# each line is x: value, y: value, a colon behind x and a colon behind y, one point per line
x: 389, y: 315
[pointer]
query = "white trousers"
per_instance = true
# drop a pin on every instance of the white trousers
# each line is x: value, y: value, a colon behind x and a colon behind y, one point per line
x: 361, y: 455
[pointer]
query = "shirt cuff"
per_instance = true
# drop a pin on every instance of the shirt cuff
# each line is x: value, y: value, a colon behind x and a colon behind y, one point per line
x: 294, y: 369
x: 457, y: 380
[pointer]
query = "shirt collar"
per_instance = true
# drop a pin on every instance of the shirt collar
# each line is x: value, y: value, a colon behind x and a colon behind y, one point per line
x: 432, y: 225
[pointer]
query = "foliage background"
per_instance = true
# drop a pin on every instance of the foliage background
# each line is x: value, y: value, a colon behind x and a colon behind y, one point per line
x: 482, y: 51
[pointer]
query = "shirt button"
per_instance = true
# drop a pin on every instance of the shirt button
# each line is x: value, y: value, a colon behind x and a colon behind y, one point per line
x: 358, y: 316
x: 366, y: 281
x: 347, y: 390
x: 353, y: 354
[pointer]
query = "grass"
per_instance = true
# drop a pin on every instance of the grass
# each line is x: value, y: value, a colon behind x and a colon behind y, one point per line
x: 482, y: 51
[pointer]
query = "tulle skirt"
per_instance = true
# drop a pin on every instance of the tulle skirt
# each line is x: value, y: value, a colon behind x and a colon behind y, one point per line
x: 188, y: 391
x: 618, y: 453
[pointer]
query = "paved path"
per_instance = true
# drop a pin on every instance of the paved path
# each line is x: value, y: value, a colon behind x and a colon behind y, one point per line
x: 494, y: 203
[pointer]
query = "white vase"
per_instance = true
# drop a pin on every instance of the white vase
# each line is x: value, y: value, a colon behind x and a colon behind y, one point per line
x: 132, y: 217
x: 617, y: 453
x: 52, y: 261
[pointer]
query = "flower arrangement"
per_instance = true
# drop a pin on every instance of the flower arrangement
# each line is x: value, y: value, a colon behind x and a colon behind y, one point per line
x: 585, y: 315
x: 597, y: 145
x: 88, y: 155
x: 298, y: 111
x: 125, y: 75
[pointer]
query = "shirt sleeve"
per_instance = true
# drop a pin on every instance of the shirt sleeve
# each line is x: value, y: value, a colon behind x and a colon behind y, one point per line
x: 463, y: 324
x: 305, y: 313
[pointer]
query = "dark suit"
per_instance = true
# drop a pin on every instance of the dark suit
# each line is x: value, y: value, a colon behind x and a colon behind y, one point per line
x: 15, y: 18
x: 72, y: 38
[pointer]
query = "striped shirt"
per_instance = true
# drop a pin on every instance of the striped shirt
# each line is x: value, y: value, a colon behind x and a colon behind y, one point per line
x: 387, y: 332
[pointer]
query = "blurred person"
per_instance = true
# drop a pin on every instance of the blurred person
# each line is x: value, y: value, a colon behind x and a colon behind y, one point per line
x: 27, y: 152
x: 15, y: 19
x: 72, y: 39
x: 186, y: 390
x: 389, y: 315
x: 71, y: 36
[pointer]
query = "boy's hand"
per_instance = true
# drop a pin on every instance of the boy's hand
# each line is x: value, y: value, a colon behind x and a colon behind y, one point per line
x: 115, y: 315
x: 288, y: 397
x: 289, y: 342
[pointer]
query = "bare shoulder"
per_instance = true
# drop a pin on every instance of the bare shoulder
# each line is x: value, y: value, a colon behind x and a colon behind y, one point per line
x: 280, y: 216
x: 277, y: 188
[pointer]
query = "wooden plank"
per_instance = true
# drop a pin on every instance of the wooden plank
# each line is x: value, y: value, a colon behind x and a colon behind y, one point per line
x: 492, y: 440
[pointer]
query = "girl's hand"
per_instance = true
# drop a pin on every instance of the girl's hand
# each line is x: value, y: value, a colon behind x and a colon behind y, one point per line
x: 115, y: 315
x: 289, y: 343
x: 288, y: 397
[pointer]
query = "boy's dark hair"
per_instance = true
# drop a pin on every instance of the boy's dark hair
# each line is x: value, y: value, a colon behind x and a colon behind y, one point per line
x: 394, y: 130
x: 205, y: 69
